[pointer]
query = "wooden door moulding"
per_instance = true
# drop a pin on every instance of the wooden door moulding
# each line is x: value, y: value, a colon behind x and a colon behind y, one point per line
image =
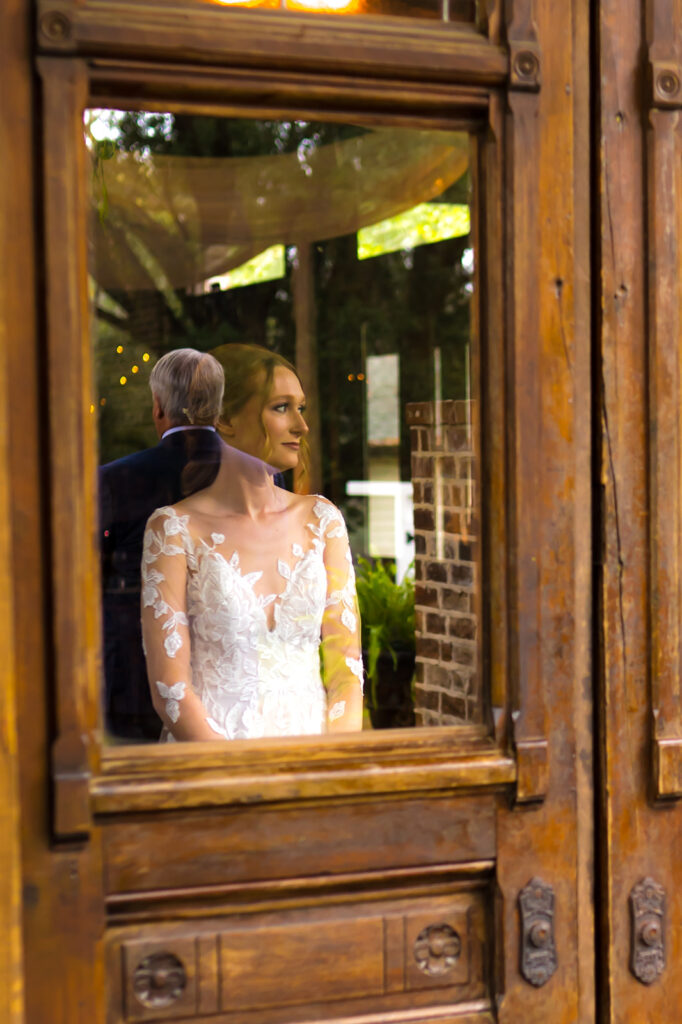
x: 529, y: 709
x: 75, y: 608
x: 197, y: 32
x: 370, y: 766
x: 219, y: 91
x: 156, y: 783
x: 231, y: 898
x: 664, y: 195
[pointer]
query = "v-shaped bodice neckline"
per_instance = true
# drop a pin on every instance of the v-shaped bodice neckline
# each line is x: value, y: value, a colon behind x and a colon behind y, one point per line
x: 199, y: 548
x: 248, y: 580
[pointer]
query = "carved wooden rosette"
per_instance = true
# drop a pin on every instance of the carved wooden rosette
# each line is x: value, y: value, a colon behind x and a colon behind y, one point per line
x: 522, y: 243
x: 664, y: 215
x: 159, y: 980
x: 647, y: 906
x: 437, y: 949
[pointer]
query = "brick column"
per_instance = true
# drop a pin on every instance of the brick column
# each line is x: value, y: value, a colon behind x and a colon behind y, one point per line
x: 446, y: 563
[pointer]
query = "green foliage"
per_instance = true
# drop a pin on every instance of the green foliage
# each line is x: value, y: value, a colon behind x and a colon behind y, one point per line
x: 408, y: 302
x: 386, y: 612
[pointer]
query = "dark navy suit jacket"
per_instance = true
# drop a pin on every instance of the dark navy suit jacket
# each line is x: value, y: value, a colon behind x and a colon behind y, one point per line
x: 129, y: 490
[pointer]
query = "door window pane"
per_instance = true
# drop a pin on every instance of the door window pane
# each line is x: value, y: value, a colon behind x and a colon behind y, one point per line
x: 435, y: 10
x: 347, y: 250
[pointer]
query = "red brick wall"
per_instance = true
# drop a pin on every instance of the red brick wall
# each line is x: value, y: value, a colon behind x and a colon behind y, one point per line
x: 446, y: 563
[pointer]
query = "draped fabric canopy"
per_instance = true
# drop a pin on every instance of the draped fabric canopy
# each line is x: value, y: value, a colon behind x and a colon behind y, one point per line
x: 163, y: 221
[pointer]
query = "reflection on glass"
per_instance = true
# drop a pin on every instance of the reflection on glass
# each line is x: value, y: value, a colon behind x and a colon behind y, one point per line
x: 439, y: 10
x: 348, y: 251
x: 247, y: 589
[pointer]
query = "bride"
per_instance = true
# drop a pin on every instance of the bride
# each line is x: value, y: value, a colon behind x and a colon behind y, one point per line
x: 245, y: 584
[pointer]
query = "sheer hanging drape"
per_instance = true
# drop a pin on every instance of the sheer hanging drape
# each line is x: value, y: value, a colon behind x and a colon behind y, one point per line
x: 173, y: 221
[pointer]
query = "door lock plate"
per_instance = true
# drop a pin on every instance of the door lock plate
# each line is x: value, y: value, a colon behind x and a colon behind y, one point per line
x: 538, y: 951
x: 647, y: 906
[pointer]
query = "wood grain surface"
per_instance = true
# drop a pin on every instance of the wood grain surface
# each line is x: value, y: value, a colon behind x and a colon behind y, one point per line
x: 311, y: 838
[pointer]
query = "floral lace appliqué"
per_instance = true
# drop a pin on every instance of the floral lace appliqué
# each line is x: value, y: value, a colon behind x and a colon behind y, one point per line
x: 255, y: 676
x: 173, y: 695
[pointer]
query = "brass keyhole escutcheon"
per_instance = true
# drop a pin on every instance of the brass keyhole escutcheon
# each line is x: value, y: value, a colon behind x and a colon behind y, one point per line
x: 647, y: 907
x: 538, y: 952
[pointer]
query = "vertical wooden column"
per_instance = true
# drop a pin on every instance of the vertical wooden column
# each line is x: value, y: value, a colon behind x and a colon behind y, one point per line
x: 15, y: 144
x: 61, y: 877
x: 522, y: 242
x: 72, y: 445
x: 664, y: 218
x: 547, y: 237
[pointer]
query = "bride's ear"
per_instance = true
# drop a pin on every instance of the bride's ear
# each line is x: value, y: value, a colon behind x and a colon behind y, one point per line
x: 226, y: 428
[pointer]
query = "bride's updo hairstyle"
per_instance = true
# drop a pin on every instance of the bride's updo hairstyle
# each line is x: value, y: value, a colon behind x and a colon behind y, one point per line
x: 249, y: 370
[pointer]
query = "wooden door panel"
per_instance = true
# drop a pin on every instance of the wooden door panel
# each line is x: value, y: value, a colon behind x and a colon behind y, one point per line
x: 226, y: 846
x: 381, y: 955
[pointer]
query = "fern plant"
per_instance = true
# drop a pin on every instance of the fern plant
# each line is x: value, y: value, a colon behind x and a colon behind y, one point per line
x: 386, y: 613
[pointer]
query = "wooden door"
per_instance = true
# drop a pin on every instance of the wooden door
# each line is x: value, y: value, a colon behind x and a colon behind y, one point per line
x: 639, y: 197
x: 434, y: 874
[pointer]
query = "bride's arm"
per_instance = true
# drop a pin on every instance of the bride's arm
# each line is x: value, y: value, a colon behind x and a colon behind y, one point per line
x: 165, y: 630
x: 341, y: 649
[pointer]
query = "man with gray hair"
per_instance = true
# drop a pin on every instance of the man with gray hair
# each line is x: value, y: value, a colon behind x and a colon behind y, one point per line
x: 187, y: 394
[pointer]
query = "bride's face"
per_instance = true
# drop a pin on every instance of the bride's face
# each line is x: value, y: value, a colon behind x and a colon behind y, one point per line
x: 274, y: 431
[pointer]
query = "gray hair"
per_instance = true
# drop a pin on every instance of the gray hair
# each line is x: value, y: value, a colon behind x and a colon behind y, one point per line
x: 189, y: 387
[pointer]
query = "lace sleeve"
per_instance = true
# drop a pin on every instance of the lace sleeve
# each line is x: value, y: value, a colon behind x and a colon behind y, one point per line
x: 165, y: 627
x: 341, y: 650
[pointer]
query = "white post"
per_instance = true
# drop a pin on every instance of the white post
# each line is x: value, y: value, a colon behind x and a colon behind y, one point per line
x: 403, y: 519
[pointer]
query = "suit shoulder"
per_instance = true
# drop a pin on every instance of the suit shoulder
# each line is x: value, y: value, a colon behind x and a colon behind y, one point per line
x: 135, y: 462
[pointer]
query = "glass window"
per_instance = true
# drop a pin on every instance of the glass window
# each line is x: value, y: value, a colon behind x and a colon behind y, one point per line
x: 347, y: 250
x: 435, y: 10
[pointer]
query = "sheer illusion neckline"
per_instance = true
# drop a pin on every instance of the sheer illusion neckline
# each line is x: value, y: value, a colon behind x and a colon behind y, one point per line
x: 250, y: 579
x: 200, y: 548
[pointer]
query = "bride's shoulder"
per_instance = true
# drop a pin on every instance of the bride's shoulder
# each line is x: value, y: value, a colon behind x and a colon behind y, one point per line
x: 314, y: 504
x: 171, y: 518
x: 326, y: 514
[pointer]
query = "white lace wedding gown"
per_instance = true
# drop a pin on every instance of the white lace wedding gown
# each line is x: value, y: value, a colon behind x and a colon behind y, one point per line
x: 207, y: 636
